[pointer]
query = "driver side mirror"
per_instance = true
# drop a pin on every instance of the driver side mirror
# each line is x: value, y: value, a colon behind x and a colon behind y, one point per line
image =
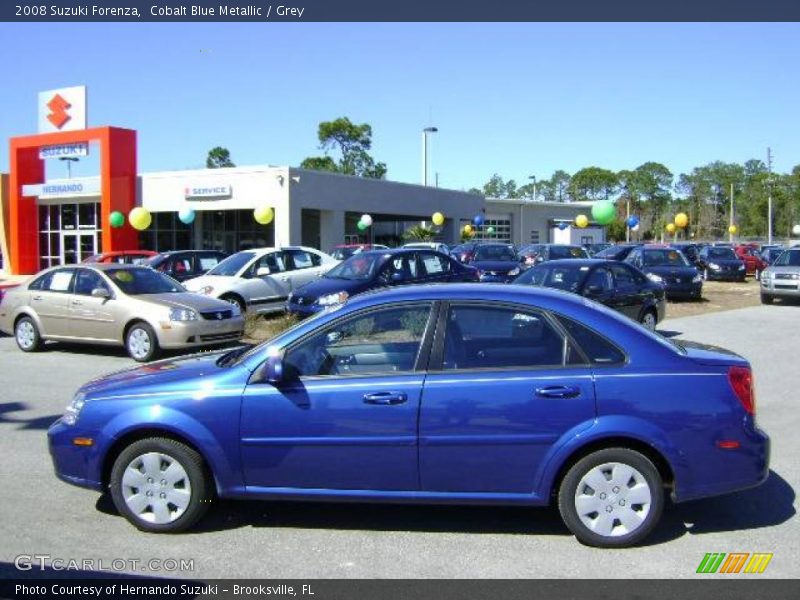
x: 272, y: 371
x: 263, y: 272
x: 101, y: 293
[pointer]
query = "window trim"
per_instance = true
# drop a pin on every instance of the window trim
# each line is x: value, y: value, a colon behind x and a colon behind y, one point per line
x: 436, y: 360
x: 423, y: 353
x: 590, y: 363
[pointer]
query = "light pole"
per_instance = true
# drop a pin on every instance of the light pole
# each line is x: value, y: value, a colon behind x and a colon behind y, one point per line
x: 533, y: 194
x: 69, y: 160
x: 769, y: 196
x: 425, y: 133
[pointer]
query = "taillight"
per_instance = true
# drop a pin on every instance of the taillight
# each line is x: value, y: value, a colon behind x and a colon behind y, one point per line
x: 741, y: 380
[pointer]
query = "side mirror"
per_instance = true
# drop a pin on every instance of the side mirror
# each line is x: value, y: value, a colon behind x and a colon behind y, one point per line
x: 263, y: 272
x: 273, y: 369
x: 398, y: 277
x: 101, y: 293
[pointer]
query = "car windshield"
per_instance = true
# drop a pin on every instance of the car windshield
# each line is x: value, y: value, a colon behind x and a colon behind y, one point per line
x: 567, y: 252
x: 669, y: 257
x: 233, y: 264
x: 136, y: 282
x: 359, y: 267
x: 722, y: 253
x: 561, y: 277
x: 495, y: 253
x: 342, y: 253
x: 789, y: 259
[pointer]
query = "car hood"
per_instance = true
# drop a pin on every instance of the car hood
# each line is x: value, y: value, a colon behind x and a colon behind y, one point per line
x: 495, y: 265
x: 170, y: 375
x: 706, y: 354
x: 185, y: 300
x: 670, y: 270
x: 774, y: 269
x: 328, y: 285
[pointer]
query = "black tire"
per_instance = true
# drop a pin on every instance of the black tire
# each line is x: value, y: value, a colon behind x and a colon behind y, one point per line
x: 152, y: 351
x: 26, y: 329
x: 569, y: 489
x: 201, y: 494
x: 767, y: 299
x: 235, y: 300
x: 652, y: 313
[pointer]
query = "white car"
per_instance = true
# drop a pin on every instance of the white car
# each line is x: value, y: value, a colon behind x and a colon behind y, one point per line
x: 260, y: 280
x: 439, y: 247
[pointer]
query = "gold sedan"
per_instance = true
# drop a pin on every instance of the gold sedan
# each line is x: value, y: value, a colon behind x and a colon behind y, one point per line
x: 114, y: 304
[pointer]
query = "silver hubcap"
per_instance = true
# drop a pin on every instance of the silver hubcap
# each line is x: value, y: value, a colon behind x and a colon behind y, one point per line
x: 139, y: 343
x: 649, y: 321
x: 25, y: 334
x: 613, y: 499
x: 156, y: 488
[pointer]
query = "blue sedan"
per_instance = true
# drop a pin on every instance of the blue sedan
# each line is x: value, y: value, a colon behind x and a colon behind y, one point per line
x: 460, y: 394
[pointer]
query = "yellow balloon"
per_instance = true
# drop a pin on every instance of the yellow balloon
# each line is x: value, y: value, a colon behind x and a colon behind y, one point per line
x: 581, y: 221
x: 467, y: 229
x: 681, y: 220
x: 671, y: 227
x: 140, y: 218
x: 437, y: 218
x: 264, y: 215
x: 732, y: 229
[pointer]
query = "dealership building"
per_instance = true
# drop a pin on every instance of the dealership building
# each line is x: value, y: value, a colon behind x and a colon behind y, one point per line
x: 48, y: 222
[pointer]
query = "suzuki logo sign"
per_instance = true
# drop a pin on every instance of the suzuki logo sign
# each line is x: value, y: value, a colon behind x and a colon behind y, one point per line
x: 62, y: 109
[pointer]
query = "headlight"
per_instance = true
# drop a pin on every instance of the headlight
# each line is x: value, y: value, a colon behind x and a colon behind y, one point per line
x: 514, y: 271
x: 713, y: 266
x: 697, y: 278
x: 73, y: 409
x: 655, y: 278
x: 741, y: 267
x: 182, y: 314
x: 331, y: 299
x: 206, y: 290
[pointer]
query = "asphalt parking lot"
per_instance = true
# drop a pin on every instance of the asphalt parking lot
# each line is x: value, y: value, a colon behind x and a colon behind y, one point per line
x: 41, y: 515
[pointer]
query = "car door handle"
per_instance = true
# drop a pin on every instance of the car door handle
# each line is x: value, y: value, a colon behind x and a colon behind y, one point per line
x: 37, y: 297
x: 284, y: 278
x: 77, y: 302
x: 558, y: 391
x: 385, y: 398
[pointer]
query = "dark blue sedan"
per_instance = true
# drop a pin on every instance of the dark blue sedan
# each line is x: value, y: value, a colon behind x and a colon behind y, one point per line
x: 496, y: 263
x: 669, y: 267
x: 376, y: 269
x: 462, y: 394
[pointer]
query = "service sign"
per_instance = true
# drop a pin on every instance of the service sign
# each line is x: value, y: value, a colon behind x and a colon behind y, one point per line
x: 64, y: 150
x: 64, y: 188
x: 63, y: 109
x: 200, y: 192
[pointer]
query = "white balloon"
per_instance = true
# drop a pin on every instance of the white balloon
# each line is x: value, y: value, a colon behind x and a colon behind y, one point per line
x: 366, y: 220
x: 796, y: 230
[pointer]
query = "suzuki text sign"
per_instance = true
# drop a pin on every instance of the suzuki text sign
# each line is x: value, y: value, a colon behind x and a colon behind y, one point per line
x: 63, y: 109
x: 62, y: 150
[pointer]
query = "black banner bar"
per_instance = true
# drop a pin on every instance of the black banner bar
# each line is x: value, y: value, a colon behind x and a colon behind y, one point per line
x: 742, y: 587
x: 397, y: 10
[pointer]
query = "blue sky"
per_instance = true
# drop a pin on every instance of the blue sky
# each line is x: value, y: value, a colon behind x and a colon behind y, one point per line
x: 518, y: 99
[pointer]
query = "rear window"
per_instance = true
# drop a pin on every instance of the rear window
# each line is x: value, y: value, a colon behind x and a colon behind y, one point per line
x: 597, y: 348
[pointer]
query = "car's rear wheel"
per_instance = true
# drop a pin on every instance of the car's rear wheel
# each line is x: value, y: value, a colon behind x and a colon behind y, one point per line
x: 649, y: 319
x: 27, y: 335
x: 612, y: 498
x: 767, y: 299
x: 161, y: 485
x: 141, y: 342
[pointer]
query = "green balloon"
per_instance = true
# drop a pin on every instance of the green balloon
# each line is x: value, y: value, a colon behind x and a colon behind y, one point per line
x: 604, y: 211
x: 116, y: 219
x: 490, y: 230
x: 362, y: 226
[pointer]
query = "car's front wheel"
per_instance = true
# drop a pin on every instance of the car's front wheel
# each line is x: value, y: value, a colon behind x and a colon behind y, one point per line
x: 161, y: 485
x: 649, y: 320
x: 612, y: 498
x: 27, y: 335
x: 141, y: 342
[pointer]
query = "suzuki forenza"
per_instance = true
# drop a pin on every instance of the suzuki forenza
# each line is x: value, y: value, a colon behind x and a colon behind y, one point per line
x: 459, y: 393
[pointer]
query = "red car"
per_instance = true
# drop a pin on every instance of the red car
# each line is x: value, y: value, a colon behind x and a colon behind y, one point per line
x: 753, y: 262
x: 127, y: 257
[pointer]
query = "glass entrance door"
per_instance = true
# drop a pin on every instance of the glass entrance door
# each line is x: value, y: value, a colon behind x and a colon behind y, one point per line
x: 77, y: 246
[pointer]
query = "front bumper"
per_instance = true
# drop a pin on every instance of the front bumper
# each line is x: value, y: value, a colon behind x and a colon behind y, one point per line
x: 303, y: 310
x: 76, y: 465
x: 203, y: 332
x: 684, y: 289
x: 787, y: 288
